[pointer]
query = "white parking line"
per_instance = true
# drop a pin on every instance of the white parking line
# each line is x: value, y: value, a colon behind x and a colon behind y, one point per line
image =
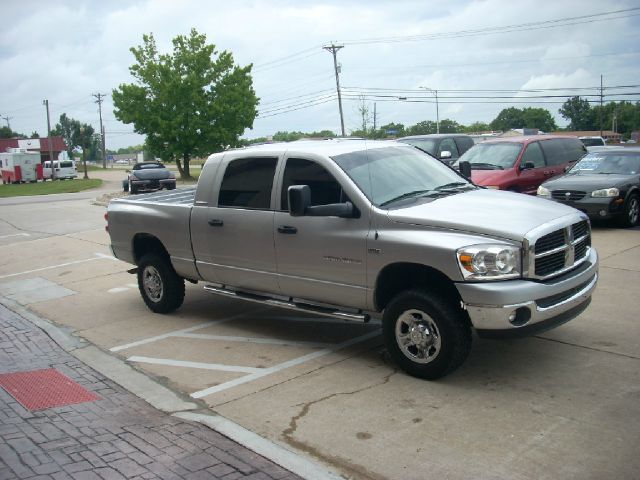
x: 282, y: 366
x: 98, y: 256
x: 15, y: 235
x: 267, y: 341
x: 203, y: 366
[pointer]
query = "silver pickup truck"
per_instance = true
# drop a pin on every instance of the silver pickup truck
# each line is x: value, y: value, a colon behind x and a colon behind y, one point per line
x: 357, y: 229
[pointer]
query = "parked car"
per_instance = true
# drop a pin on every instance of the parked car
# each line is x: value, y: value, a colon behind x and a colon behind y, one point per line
x: 149, y: 176
x: 593, y: 141
x: 354, y: 229
x: 446, y: 147
x: 603, y: 184
x: 63, y: 169
x: 521, y: 164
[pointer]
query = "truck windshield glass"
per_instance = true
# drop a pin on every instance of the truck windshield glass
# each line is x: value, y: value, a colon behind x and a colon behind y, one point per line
x: 391, y: 174
x: 492, y: 156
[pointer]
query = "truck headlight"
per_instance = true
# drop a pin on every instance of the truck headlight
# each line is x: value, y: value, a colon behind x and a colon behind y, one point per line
x: 489, y: 262
x: 543, y: 192
x: 606, y: 192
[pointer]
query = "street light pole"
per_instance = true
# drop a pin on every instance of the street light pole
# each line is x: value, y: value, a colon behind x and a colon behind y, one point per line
x: 435, y: 92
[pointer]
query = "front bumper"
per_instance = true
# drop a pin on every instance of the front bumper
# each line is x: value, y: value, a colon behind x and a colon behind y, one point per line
x: 525, y: 307
x: 604, y: 207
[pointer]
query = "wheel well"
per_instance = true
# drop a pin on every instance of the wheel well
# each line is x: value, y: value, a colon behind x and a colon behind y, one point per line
x: 144, y: 243
x: 399, y: 277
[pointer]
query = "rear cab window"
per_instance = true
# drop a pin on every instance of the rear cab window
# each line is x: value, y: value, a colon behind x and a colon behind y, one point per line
x: 247, y: 183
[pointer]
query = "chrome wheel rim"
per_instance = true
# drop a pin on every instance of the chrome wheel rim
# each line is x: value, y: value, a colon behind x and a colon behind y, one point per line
x: 152, y: 283
x: 418, y: 336
x: 634, y: 210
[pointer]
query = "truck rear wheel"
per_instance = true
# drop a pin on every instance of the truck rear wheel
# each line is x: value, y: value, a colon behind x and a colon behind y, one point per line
x: 160, y: 286
x: 425, y: 334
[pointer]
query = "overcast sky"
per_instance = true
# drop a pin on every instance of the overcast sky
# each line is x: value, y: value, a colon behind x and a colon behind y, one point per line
x: 66, y: 50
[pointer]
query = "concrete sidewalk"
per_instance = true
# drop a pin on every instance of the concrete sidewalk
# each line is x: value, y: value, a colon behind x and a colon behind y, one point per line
x: 117, y: 436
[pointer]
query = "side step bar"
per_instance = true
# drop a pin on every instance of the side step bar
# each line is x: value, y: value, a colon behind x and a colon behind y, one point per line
x: 290, y: 305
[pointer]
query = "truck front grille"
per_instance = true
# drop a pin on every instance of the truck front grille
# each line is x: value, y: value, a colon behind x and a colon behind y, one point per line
x: 562, y: 249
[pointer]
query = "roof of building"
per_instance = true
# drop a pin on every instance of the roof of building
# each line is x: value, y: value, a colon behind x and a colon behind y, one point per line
x: 33, y: 144
x: 589, y: 133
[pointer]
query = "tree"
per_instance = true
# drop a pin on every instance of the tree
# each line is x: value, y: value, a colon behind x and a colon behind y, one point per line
x: 425, y: 127
x: 539, y: 118
x: 477, y: 127
x: 68, y: 129
x: 450, y: 126
x: 189, y: 103
x: 6, y: 132
x: 84, y: 137
x: 507, y: 119
x: 365, y: 115
x: 578, y: 112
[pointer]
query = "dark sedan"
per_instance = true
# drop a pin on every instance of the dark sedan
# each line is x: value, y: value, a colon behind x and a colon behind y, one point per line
x: 604, y: 184
x: 149, y: 176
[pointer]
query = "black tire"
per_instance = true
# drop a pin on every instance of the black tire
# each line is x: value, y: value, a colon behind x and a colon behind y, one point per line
x: 437, y: 333
x: 159, y: 284
x: 631, y: 211
x: 125, y: 185
x: 171, y: 186
x: 133, y: 189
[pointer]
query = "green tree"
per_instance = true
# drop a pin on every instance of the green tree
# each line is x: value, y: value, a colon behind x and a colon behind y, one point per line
x: 426, y: 127
x: 477, y: 127
x: 68, y: 129
x: 539, y: 118
x: 6, y: 132
x: 189, y: 103
x: 507, y: 119
x: 578, y: 112
x: 450, y: 126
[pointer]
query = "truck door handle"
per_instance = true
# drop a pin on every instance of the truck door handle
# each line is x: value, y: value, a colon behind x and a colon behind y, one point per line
x: 216, y: 223
x: 287, y: 230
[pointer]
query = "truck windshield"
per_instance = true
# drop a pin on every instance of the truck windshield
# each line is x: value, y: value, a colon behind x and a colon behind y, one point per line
x: 390, y: 174
x: 425, y: 144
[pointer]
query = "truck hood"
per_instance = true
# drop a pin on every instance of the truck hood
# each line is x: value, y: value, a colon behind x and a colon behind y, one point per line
x: 487, y: 212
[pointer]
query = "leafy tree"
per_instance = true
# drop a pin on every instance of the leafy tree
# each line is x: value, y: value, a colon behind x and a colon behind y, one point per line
x: 450, y: 126
x: 35, y: 134
x: 6, y: 132
x: 507, y: 119
x: 190, y: 102
x: 578, y: 112
x: 68, y: 129
x: 539, y: 118
x: 385, y: 130
x: 477, y: 127
x: 425, y: 127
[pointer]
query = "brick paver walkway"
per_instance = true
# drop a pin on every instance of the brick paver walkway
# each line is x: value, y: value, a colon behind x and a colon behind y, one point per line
x: 118, y: 436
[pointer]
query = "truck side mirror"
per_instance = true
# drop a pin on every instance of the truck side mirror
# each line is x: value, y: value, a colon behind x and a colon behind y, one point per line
x: 445, y: 155
x: 299, y: 199
x: 465, y: 169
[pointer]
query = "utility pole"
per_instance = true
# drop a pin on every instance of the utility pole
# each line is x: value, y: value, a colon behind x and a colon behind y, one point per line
x: 375, y: 117
x: 601, y: 107
x: 7, y: 119
x: 99, y: 100
x: 53, y: 170
x: 334, y: 50
x: 435, y: 92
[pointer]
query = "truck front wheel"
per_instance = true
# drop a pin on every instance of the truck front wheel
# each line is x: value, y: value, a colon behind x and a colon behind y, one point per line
x: 426, y: 335
x: 160, y: 286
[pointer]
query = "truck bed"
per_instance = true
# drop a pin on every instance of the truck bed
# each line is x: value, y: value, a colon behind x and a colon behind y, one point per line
x: 181, y: 196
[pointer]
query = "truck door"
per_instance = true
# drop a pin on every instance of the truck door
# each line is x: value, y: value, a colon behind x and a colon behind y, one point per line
x: 319, y: 258
x: 237, y: 227
x: 529, y: 179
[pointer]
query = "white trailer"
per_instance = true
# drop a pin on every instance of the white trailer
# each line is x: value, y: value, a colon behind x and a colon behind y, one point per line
x: 18, y: 165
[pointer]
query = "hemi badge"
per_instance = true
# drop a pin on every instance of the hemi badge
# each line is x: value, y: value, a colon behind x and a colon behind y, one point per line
x: 374, y: 250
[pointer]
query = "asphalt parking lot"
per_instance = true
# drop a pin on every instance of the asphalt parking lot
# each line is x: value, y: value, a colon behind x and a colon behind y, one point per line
x: 565, y: 404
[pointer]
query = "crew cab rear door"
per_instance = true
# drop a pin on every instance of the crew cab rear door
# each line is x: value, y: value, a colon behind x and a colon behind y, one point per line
x: 235, y: 228
x: 319, y: 258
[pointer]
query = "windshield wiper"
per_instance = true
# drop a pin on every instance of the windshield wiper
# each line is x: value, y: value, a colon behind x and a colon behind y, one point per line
x: 413, y: 193
x: 486, y: 166
x: 453, y: 186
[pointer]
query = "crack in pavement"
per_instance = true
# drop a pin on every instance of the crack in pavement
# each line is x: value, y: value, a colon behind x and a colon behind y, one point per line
x: 353, y: 470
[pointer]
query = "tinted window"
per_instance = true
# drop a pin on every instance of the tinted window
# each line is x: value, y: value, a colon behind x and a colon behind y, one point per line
x: 464, y: 144
x: 66, y: 164
x: 247, y: 183
x: 146, y: 166
x: 324, y: 188
x: 533, y: 154
x: 425, y: 144
x: 493, y: 156
x: 448, y: 145
x: 562, y: 150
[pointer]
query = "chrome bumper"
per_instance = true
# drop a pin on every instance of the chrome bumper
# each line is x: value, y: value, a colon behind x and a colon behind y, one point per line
x: 533, y: 306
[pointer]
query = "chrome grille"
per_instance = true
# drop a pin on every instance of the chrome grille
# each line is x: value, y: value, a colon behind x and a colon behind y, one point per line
x: 561, y: 250
x: 567, y: 195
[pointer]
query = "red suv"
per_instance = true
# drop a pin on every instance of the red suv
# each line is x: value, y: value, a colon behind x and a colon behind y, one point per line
x: 521, y: 164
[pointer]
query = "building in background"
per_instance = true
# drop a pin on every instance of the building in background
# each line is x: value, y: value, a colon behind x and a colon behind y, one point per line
x: 39, y: 145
